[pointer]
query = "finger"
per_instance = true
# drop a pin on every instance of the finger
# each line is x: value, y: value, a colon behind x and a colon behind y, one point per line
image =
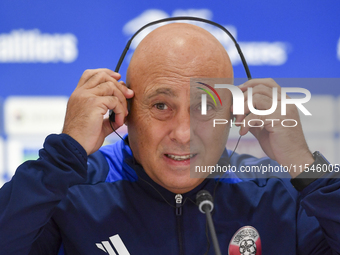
x: 109, y: 89
x: 113, y: 103
x: 251, y: 122
x: 256, y: 131
x: 103, y: 77
x: 128, y: 93
x: 89, y: 73
x: 260, y: 102
x: 239, y: 120
x: 97, y: 79
x: 107, y: 129
x: 257, y: 88
x: 254, y: 82
x: 263, y: 90
x: 108, y: 126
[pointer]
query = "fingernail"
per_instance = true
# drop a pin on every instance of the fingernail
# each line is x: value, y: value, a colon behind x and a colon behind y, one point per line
x: 115, y: 75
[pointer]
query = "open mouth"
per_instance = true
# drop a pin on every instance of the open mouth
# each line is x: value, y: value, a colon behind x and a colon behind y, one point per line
x: 180, y: 157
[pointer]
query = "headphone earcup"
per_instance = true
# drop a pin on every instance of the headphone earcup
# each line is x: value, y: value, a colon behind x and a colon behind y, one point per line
x: 128, y: 101
x: 112, y: 116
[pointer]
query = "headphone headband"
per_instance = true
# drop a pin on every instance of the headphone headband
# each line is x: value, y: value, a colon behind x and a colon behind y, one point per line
x: 244, y: 62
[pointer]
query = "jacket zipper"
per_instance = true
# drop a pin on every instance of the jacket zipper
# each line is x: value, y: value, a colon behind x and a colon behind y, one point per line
x: 179, y: 201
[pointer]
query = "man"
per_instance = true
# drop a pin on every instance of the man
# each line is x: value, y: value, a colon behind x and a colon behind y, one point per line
x: 137, y: 196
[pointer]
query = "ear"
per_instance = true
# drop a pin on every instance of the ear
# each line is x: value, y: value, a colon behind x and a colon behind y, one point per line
x: 128, y: 102
x: 232, y: 116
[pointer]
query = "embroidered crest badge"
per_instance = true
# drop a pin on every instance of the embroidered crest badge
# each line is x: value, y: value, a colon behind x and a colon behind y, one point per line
x: 246, y: 241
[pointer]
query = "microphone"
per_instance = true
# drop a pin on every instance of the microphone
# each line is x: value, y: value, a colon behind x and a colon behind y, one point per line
x: 205, y: 204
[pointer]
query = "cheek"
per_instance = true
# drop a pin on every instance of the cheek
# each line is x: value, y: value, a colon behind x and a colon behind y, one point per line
x: 221, y: 131
x: 138, y: 131
x: 145, y: 133
x: 216, y: 136
x: 208, y: 132
x: 138, y: 118
x: 211, y: 140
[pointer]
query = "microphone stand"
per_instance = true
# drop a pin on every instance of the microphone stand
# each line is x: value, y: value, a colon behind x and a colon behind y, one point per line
x: 212, y: 230
x: 205, y: 204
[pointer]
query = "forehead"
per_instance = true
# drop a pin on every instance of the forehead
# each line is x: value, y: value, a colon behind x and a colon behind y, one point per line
x: 175, y: 60
x: 165, y: 87
x: 192, y: 88
x: 173, y: 80
x: 200, y: 86
x: 161, y: 90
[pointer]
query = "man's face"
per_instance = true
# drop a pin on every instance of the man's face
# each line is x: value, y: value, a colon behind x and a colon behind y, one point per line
x: 164, y: 135
x: 167, y: 134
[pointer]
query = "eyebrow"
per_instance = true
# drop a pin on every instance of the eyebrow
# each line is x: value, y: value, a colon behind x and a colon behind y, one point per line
x: 165, y: 91
x: 197, y: 94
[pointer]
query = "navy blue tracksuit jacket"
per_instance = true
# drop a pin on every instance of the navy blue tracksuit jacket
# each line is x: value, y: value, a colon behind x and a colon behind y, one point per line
x: 66, y: 202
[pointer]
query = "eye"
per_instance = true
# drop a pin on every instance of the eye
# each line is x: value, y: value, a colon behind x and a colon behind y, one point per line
x: 161, y: 106
x: 209, y: 107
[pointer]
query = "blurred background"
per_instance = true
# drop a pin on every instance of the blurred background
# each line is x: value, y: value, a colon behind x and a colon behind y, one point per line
x: 45, y: 46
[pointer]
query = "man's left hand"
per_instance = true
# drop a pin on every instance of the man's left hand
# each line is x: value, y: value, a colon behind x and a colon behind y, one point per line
x: 284, y: 144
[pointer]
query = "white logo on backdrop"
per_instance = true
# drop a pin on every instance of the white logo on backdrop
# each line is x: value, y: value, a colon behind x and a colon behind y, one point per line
x: 31, y: 46
x: 256, y: 53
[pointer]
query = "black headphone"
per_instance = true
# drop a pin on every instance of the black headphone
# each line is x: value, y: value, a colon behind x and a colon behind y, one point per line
x: 245, y: 65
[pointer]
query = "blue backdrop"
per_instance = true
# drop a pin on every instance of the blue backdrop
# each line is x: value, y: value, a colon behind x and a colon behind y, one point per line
x: 45, y: 46
x: 309, y: 31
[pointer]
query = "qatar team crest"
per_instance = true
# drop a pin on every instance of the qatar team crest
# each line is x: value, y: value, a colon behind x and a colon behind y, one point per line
x: 246, y: 241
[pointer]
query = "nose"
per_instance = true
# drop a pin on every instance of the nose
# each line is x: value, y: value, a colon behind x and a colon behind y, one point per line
x: 181, y: 127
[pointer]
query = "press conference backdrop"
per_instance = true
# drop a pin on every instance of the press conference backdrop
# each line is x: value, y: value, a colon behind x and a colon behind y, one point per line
x: 46, y: 45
